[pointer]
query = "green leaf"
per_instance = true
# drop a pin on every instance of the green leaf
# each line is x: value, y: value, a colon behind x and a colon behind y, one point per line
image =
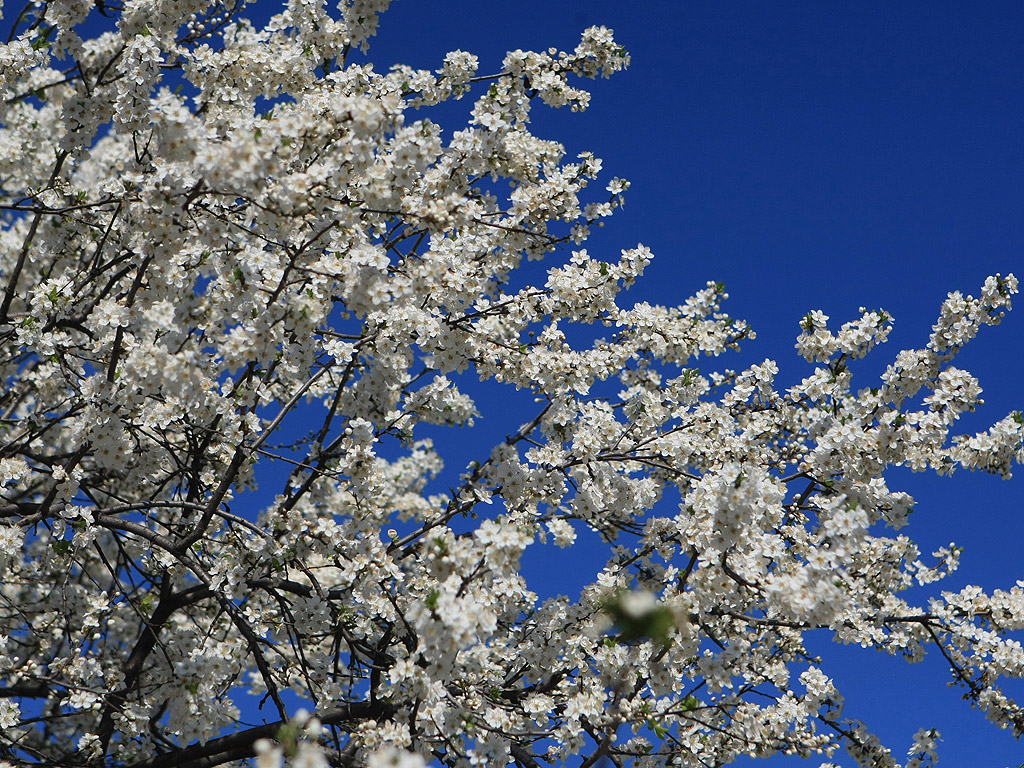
x: 288, y: 737
x: 656, y: 624
x: 43, y: 39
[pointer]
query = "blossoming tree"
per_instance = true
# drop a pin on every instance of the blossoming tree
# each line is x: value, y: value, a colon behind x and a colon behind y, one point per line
x: 228, y: 248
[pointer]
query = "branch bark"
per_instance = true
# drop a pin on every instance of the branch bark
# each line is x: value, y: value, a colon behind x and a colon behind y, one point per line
x: 239, y: 746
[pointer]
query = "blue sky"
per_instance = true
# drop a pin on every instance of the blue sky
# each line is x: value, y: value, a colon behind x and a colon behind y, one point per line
x: 810, y: 156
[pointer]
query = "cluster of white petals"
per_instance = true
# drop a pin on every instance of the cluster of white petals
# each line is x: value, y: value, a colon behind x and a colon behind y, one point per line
x: 245, y: 277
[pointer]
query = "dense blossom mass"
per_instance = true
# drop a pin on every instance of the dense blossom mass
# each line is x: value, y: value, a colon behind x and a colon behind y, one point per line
x: 241, y: 270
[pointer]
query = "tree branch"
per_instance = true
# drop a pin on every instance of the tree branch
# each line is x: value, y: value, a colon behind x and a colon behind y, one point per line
x: 239, y: 746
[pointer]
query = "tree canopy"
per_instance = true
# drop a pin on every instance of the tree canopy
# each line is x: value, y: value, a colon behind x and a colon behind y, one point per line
x: 230, y: 248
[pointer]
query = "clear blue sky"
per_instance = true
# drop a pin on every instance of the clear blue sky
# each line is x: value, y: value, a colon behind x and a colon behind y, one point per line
x: 810, y: 156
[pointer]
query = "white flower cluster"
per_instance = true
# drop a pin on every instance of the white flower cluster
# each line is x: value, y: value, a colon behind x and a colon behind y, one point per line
x: 231, y: 318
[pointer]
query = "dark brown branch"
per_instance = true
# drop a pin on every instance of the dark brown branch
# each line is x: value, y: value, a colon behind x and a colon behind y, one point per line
x: 12, y: 283
x: 133, y: 666
x: 524, y: 756
x: 239, y: 746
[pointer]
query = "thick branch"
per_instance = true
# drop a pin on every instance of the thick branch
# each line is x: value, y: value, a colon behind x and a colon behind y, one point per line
x: 239, y: 746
